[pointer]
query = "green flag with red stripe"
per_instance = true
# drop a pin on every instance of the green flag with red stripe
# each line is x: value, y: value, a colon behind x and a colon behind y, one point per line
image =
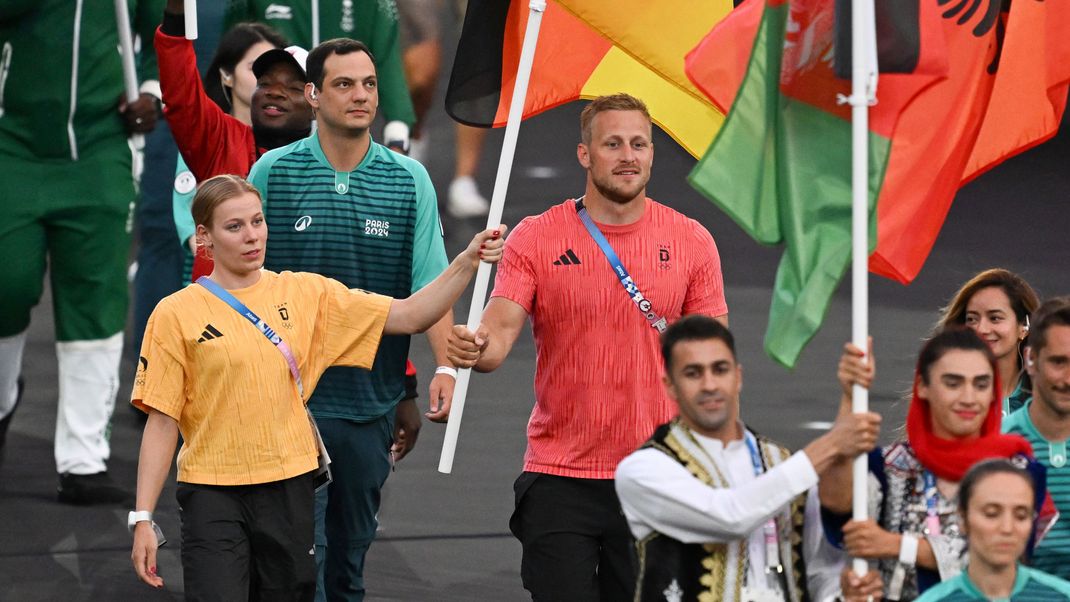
x: 781, y: 164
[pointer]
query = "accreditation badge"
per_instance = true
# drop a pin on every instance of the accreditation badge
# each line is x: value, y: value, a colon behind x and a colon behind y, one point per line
x: 760, y: 594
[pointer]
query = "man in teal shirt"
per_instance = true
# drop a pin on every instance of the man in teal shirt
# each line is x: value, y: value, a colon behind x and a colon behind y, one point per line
x: 1045, y: 422
x: 339, y: 204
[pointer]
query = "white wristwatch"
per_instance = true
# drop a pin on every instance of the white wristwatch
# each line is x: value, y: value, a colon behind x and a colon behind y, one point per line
x: 135, y: 517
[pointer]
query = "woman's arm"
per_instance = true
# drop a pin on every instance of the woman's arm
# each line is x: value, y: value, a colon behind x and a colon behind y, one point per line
x: 158, y: 444
x: 426, y: 306
x: 834, y: 488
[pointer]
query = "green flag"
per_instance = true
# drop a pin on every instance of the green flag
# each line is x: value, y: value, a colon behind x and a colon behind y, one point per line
x: 781, y: 164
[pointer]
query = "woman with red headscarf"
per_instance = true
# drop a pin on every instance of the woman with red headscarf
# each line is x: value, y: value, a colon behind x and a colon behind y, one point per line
x: 914, y: 533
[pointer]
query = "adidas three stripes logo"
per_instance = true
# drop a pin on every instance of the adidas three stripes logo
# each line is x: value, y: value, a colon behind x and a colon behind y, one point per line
x: 209, y: 333
x: 569, y: 258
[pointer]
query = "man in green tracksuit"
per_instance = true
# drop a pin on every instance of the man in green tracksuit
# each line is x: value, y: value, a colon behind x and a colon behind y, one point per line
x: 374, y: 22
x: 67, y: 191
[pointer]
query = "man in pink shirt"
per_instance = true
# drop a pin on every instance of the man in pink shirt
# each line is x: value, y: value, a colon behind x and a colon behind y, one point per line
x: 596, y: 311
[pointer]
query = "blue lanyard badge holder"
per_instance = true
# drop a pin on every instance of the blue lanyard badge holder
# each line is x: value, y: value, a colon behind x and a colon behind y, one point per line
x: 630, y: 287
x: 322, y: 476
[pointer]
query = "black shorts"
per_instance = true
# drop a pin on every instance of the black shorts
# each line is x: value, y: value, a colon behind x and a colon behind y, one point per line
x: 248, y: 542
x: 576, y: 541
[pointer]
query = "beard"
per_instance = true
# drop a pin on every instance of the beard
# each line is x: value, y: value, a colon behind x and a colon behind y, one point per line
x: 275, y: 137
x: 618, y: 195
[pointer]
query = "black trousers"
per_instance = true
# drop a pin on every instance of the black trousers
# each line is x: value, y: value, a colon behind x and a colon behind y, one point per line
x: 248, y: 542
x: 577, y: 546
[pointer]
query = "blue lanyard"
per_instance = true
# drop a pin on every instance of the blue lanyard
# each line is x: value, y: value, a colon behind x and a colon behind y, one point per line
x: 932, y: 517
x: 641, y: 302
x: 262, y: 326
x: 773, y: 566
x: 755, y: 458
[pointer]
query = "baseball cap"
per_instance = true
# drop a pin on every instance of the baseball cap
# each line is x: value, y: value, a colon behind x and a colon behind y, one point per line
x: 295, y: 55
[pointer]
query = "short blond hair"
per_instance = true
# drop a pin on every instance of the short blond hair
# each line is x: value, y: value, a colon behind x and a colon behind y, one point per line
x: 609, y: 102
x: 214, y: 191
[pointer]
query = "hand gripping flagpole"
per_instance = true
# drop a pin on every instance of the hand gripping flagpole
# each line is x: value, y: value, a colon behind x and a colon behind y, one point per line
x: 497, y: 204
x: 863, y: 95
x: 126, y: 46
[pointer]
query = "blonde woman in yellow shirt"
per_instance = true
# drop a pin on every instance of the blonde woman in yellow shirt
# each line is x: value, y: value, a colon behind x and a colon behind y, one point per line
x: 249, y: 452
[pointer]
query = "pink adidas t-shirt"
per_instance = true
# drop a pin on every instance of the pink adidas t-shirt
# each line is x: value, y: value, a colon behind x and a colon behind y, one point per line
x: 598, y: 391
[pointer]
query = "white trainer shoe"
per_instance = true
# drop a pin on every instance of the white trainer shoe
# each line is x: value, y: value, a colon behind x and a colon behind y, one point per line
x: 465, y: 200
x: 418, y: 148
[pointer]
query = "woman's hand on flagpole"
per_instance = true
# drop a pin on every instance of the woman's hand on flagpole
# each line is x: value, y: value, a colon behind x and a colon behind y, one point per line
x: 868, y: 588
x: 856, y: 368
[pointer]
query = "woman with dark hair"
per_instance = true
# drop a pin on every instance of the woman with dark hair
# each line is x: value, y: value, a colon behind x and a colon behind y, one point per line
x: 914, y: 534
x: 229, y: 82
x: 230, y: 364
x: 996, y: 304
x: 997, y: 505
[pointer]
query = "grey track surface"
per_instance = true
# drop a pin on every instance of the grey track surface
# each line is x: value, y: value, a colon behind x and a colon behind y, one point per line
x: 446, y: 537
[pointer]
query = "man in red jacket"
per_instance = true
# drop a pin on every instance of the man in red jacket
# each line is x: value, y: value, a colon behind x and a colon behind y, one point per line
x: 212, y: 141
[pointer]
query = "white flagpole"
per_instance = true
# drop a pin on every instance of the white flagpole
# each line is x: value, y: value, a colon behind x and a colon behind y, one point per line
x: 315, y: 23
x: 126, y: 46
x: 191, y: 19
x: 863, y: 93
x: 497, y: 204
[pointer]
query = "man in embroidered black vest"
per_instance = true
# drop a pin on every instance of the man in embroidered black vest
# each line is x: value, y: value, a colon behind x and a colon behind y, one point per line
x: 718, y: 511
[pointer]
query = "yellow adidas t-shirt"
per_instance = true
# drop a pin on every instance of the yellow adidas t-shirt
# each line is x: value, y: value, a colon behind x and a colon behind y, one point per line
x: 241, y: 418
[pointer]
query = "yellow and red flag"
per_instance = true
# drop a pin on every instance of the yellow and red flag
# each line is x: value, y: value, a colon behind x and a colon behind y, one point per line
x: 587, y: 49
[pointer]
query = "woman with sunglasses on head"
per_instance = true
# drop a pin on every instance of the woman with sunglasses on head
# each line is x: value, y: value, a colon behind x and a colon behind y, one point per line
x: 914, y: 534
x: 997, y: 505
x: 996, y: 304
x: 237, y: 392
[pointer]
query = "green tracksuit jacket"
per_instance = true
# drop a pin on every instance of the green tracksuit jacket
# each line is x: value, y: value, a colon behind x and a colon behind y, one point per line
x: 61, y: 75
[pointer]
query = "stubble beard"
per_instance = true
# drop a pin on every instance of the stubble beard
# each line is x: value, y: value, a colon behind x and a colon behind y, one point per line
x: 617, y: 195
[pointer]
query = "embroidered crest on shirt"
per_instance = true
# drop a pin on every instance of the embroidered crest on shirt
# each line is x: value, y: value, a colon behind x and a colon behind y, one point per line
x: 673, y: 593
x: 284, y: 313
x: 664, y: 256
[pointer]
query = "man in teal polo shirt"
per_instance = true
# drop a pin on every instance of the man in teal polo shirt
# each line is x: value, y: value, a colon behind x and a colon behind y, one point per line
x: 339, y: 204
x: 1045, y: 421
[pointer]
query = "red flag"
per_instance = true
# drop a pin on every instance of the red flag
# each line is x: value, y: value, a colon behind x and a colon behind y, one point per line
x: 1006, y: 92
x: 1009, y: 73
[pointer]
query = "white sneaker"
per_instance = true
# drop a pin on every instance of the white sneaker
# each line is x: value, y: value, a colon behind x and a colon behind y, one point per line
x: 465, y: 200
x: 418, y: 149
